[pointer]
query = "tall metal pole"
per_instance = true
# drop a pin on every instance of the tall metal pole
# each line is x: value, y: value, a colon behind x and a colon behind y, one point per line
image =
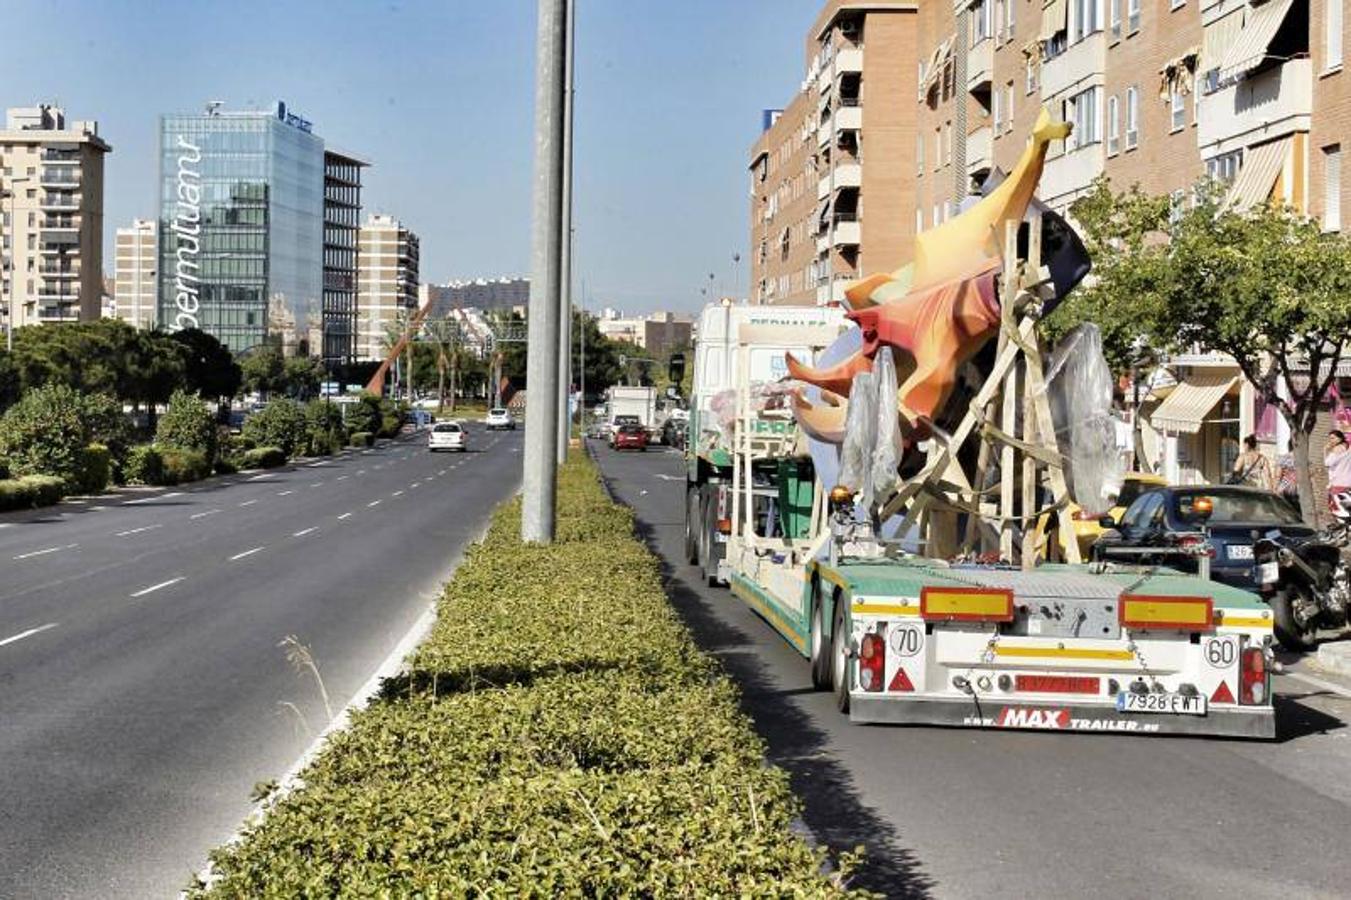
x: 565, y: 296
x: 540, y: 476
x: 581, y: 369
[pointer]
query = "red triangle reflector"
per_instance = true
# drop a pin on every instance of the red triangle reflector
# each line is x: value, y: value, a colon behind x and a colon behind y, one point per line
x: 901, y: 682
x: 1222, y: 694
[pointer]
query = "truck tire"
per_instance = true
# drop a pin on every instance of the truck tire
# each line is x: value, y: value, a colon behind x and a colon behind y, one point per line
x: 691, y: 526
x: 708, y: 548
x: 839, y: 658
x: 820, y: 647
x: 1291, y: 634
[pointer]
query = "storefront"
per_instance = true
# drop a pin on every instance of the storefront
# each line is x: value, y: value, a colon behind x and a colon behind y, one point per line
x: 1199, y: 421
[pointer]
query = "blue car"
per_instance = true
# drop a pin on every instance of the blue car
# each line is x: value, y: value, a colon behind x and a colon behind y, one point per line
x: 1167, y: 519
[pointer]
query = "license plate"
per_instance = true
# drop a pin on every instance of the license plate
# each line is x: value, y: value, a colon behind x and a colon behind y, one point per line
x: 1268, y: 573
x: 1240, y: 551
x: 1172, y: 704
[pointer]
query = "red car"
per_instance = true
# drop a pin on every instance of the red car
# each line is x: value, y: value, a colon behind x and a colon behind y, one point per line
x: 631, y: 437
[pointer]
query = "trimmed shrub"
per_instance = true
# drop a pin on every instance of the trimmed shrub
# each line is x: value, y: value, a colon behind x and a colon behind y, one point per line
x: 263, y: 458
x: 44, y: 433
x: 188, y: 425
x: 390, y: 425
x: 144, y: 465
x: 226, y: 466
x: 96, y: 470
x: 279, y: 424
x: 362, y: 439
x: 365, y: 414
x: 324, y: 428
x: 30, y: 491
x: 183, y: 466
x: 558, y: 734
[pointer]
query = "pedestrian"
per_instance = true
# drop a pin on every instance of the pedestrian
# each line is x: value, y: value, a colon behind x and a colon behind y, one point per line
x: 1252, y: 468
x: 1337, y: 458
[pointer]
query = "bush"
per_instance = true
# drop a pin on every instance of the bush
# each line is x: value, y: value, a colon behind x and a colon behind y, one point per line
x: 144, y: 465
x: 263, y: 458
x: 279, y: 424
x: 188, y: 425
x: 324, y: 428
x: 390, y: 425
x: 362, y: 439
x: 96, y: 470
x: 226, y: 466
x: 365, y: 414
x: 183, y: 466
x: 558, y: 734
x: 45, y: 434
x: 30, y: 491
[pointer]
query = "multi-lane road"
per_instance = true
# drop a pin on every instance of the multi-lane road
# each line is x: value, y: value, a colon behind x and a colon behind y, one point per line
x: 958, y: 813
x: 142, y: 689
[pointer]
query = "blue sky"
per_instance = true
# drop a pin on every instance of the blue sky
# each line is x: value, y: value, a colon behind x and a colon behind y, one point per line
x: 439, y: 94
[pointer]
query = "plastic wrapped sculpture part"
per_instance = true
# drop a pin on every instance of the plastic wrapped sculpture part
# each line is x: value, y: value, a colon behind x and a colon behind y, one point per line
x: 936, y: 313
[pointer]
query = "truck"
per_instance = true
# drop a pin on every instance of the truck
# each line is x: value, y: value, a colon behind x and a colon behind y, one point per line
x: 825, y: 488
x: 637, y: 402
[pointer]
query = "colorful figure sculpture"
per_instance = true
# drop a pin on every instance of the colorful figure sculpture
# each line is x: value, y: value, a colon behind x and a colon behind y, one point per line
x: 935, y: 313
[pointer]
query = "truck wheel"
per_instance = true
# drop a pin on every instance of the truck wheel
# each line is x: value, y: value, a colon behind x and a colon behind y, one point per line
x: 839, y: 658
x: 708, y: 548
x: 1292, y: 634
x: 691, y: 529
x: 820, y: 649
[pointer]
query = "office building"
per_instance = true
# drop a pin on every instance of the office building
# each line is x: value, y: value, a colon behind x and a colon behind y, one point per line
x: 342, y: 221
x: 659, y: 333
x: 51, y: 217
x: 504, y: 293
x: 135, y: 263
x: 387, y: 282
x: 243, y: 215
x: 832, y: 192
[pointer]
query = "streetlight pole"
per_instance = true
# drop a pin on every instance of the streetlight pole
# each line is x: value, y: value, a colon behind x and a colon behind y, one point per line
x: 565, y: 296
x: 540, y: 475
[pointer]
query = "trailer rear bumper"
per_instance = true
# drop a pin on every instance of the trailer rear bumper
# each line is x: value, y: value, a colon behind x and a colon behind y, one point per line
x: 1258, y: 722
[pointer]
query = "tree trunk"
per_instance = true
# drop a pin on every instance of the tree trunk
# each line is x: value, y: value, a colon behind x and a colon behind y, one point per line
x: 441, y: 381
x: 454, y: 379
x: 1300, y: 440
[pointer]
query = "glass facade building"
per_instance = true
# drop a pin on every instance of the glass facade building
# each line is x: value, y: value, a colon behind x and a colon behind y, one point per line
x: 242, y: 229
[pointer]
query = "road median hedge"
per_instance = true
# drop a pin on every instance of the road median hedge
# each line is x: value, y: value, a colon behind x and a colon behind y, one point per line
x: 557, y: 734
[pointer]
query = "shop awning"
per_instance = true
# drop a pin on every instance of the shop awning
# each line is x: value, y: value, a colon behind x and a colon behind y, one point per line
x: 1054, y: 19
x: 1186, y: 408
x: 1261, y: 167
x: 1251, y: 46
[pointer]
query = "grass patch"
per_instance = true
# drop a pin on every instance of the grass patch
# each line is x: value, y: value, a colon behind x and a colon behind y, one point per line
x: 558, y: 734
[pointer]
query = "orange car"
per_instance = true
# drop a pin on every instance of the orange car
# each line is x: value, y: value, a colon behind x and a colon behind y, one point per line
x: 1087, y: 529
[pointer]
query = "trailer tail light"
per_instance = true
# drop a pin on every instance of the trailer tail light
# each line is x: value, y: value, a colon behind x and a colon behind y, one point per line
x: 872, y: 662
x: 1058, y: 684
x: 1252, y: 684
x: 724, y: 526
x: 946, y: 604
x: 1144, y: 613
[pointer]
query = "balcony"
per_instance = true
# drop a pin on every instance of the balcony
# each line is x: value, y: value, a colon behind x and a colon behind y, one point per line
x: 61, y: 157
x: 58, y: 273
x: 1080, y: 66
x: 60, y: 238
x: 979, y: 150
x: 59, y: 177
x: 980, y: 65
x: 59, y: 294
x: 1269, y: 105
x: 58, y: 313
x: 61, y: 223
x: 847, y: 232
x: 1071, y: 173
x: 59, y: 202
x: 847, y: 117
x: 849, y: 60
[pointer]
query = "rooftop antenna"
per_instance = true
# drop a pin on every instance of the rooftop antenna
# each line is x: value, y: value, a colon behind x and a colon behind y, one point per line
x: 213, y: 107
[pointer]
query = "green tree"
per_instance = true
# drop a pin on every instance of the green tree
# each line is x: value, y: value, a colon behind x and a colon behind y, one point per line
x: 45, y: 434
x: 365, y: 415
x: 280, y: 424
x: 209, y: 369
x: 303, y: 375
x: 188, y: 425
x: 262, y: 370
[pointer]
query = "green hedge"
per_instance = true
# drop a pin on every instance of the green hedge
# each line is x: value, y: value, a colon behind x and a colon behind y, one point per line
x: 558, y: 734
x: 263, y: 458
x: 183, y: 466
x: 143, y: 465
x: 362, y: 439
x: 31, y: 491
x: 96, y: 469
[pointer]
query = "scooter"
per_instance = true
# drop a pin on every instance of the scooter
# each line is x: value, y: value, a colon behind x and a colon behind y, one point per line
x: 1306, y: 581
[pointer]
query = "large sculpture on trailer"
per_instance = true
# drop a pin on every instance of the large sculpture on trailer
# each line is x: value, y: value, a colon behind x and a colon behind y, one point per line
x: 940, y: 310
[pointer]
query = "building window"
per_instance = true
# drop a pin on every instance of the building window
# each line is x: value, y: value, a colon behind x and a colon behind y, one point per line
x: 1178, y: 109
x: 1332, y: 188
x: 1176, y: 4
x: 1008, y: 106
x: 919, y: 154
x: 1082, y: 110
x: 1332, y: 34
x: 1132, y: 16
x: 1132, y: 117
x: 1087, y: 19
x: 1114, y: 16
x: 998, y: 100
x: 1113, y: 126
x: 982, y: 21
x: 1009, y: 17
x: 1031, y: 73
x: 1225, y: 166
x: 947, y: 144
x: 938, y: 148
x: 919, y: 219
x: 935, y: 218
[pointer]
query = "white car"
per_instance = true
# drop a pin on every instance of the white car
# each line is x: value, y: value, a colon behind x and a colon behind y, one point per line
x: 446, y: 436
x: 499, y: 418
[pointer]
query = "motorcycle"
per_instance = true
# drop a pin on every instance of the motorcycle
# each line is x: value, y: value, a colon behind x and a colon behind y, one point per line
x: 1306, y: 581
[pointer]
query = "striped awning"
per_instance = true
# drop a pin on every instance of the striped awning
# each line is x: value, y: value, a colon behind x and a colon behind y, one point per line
x: 1054, y: 19
x: 1261, y: 167
x: 1186, y: 408
x: 1218, y: 37
x: 1251, y: 46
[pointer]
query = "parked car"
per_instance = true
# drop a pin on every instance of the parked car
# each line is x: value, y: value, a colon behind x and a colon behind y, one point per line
x: 499, y: 418
x: 446, y: 436
x: 1088, y: 523
x: 598, y: 429
x: 631, y: 436
x: 1168, y: 519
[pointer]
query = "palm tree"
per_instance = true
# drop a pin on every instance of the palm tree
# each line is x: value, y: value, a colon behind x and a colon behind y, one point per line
x: 444, y: 335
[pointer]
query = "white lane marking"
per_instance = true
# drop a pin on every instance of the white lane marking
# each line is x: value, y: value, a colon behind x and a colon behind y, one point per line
x: 397, y: 494
x: 344, y: 477
x: 374, y: 503
x: 344, y: 516
x: 361, y: 472
x: 246, y: 553
x: 305, y: 532
x: 45, y: 552
x: 284, y: 493
x: 138, y: 530
x: 317, y: 465
x: 29, y: 633
x: 203, y: 515
x: 415, y: 485
x: 665, y: 477
x: 248, y: 502
x: 442, y: 472
x: 1318, y: 683
x: 11, y: 524
x: 262, y: 476
x: 155, y: 587
x: 139, y: 502
x: 172, y: 494
x: 91, y: 509
x: 317, y: 484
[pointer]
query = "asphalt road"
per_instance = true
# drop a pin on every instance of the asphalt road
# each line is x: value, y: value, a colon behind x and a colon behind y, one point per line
x: 142, y: 689
x: 970, y: 813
